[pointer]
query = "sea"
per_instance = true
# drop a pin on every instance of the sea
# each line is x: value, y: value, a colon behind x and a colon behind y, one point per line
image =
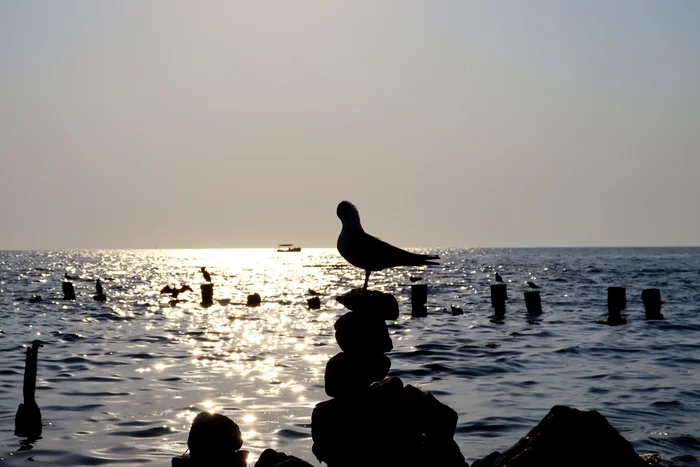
x: 119, y: 382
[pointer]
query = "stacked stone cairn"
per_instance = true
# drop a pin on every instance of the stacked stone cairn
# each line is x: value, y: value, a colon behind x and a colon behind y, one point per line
x: 373, y: 420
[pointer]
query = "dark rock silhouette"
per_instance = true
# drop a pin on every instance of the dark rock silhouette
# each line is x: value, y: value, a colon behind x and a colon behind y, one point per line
x: 254, y: 300
x: 456, y: 311
x: 372, y: 301
x: 215, y: 440
x: 314, y: 303
x: 383, y: 423
x: 35, y: 299
x: 568, y: 437
x: 272, y: 458
x: 362, y: 332
x: 364, y: 251
x: 348, y: 374
x: 28, y: 417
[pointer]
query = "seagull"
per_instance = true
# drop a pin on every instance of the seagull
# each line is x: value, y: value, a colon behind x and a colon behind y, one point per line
x: 533, y: 285
x: 499, y: 278
x: 207, y: 276
x: 366, y: 252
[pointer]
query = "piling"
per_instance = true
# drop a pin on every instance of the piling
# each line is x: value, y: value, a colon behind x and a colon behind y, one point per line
x: 28, y: 417
x: 652, y: 303
x: 254, y: 300
x: 419, y: 297
x: 68, y: 290
x: 499, y: 295
x: 207, y: 294
x: 314, y: 303
x: 533, y: 303
x: 617, y: 301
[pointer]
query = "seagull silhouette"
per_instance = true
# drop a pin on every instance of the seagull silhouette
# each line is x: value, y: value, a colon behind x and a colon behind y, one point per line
x: 207, y: 276
x: 364, y: 251
x: 533, y: 285
x: 499, y: 278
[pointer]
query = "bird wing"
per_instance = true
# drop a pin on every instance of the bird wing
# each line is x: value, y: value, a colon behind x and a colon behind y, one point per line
x: 381, y: 255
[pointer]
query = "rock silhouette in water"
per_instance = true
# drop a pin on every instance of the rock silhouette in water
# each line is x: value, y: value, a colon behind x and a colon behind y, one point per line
x: 383, y: 423
x: 272, y: 458
x: 254, y: 300
x: 28, y: 417
x: 568, y: 437
x: 214, y: 441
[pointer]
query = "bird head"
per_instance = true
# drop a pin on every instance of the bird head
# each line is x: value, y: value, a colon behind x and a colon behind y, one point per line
x: 346, y: 210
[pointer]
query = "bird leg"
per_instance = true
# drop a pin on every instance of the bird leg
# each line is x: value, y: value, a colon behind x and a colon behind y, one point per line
x: 364, y: 289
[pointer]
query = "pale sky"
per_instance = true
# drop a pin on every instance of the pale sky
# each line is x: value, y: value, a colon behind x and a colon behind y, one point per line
x: 135, y: 124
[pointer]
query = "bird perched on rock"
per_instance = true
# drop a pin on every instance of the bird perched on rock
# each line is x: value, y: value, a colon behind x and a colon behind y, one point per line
x: 366, y: 252
x: 499, y: 278
x: 207, y: 276
x: 533, y: 285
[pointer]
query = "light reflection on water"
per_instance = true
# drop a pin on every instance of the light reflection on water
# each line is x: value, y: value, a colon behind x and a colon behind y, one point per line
x: 123, y: 380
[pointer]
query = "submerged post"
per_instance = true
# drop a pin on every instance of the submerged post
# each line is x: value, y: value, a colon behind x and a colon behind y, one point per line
x: 652, y: 303
x: 499, y: 295
x: 28, y: 417
x: 68, y: 290
x: 533, y: 303
x: 207, y: 294
x: 419, y: 297
x: 617, y: 301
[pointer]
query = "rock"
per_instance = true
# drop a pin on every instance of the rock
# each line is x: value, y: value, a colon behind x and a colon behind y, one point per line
x: 568, y: 437
x: 272, y: 458
x: 362, y: 332
x: 348, y: 374
x: 254, y: 300
x: 314, y: 303
x: 456, y: 310
x: 371, y: 301
x: 240, y: 459
x: 35, y: 299
x: 431, y: 416
x: 214, y: 438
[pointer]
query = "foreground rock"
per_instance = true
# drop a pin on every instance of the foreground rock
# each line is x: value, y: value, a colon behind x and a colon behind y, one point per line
x: 568, y: 437
x: 214, y: 440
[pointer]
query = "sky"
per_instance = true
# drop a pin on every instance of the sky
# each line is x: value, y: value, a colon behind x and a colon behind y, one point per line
x: 227, y: 124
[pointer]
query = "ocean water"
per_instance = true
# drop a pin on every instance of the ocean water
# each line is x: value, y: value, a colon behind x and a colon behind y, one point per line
x: 120, y: 382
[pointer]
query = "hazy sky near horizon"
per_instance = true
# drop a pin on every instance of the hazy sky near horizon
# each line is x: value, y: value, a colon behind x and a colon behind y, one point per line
x: 180, y: 124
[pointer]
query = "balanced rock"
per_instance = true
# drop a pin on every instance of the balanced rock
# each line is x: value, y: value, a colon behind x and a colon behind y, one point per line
x: 362, y: 332
x: 348, y: 374
x: 568, y: 437
x: 272, y: 458
x: 371, y: 301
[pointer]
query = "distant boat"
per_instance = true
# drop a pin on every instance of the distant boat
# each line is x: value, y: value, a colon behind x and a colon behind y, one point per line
x: 288, y: 248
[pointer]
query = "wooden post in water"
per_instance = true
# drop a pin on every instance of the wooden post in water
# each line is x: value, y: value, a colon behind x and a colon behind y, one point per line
x: 533, y: 303
x: 28, y: 417
x: 499, y: 295
x: 419, y: 297
x: 207, y: 294
x: 68, y: 290
x: 652, y: 303
x: 617, y: 301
